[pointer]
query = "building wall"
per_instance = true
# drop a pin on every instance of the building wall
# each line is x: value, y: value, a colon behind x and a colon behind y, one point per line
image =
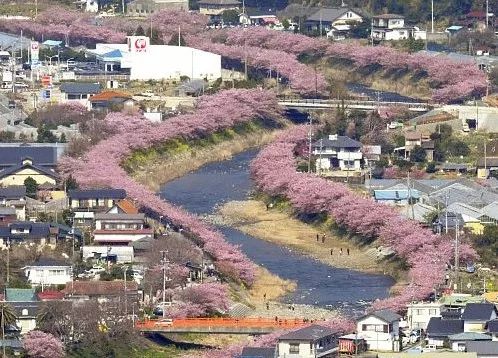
x: 376, y: 340
x: 214, y: 10
x: 49, y: 275
x: 26, y: 325
x: 19, y: 178
x: 119, y: 237
x: 473, y: 326
x: 144, y: 8
x: 418, y: 315
x: 304, y: 350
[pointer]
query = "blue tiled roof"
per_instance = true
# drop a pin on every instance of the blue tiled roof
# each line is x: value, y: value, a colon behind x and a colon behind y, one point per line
x: 444, y: 327
x: 14, y: 192
x: 80, y: 88
x: 478, y: 311
x: 396, y: 194
x: 15, y: 168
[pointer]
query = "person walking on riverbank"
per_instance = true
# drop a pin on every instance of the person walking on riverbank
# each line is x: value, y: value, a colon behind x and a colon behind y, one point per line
x: 347, y: 250
x: 331, y: 252
x: 323, y: 239
x: 317, y: 237
x: 341, y: 251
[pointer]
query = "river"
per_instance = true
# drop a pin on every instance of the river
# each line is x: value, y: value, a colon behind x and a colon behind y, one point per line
x: 203, y: 190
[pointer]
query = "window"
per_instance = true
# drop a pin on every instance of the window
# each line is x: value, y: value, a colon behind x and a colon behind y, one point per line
x: 432, y: 311
x: 293, y: 348
x: 419, y: 311
x: 374, y: 327
x: 24, y: 312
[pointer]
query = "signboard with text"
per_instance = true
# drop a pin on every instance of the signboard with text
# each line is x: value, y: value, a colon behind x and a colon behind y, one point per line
x: 138, y: 43
x: 35, y: 53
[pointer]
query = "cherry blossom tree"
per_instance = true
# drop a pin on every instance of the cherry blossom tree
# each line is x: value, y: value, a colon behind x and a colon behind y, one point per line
x: 39, y: 344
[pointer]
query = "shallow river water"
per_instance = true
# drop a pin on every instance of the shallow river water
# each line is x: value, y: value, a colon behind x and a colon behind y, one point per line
x: 203, y: 190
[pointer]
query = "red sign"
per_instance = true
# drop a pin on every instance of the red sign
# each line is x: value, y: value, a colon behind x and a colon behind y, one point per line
x: 140, y: 45
x: 46, y: 81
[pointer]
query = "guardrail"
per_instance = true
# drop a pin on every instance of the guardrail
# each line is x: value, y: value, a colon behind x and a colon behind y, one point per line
x: 366, y: 103
x: 221, y: 324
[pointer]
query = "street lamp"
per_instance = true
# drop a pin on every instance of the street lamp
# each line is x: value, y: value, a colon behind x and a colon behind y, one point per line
x: 50, y: 58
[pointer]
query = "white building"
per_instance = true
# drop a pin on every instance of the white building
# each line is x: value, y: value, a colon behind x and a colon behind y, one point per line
x: 390, y: 27
x: 118, y: 254
x: 380, y: 330
x: 309, y: 342
x: 48, y: 272
x: 92, y: 6
x: 420, y: 313
x: 339, y: 152
x: 157, y: 62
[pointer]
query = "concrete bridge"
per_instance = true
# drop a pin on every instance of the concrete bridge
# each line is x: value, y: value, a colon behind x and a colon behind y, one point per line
x: 364, y: 105
x: 219, y: 325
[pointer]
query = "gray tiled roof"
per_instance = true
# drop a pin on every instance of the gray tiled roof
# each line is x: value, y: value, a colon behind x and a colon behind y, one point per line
x: 478, y: 311
x: 341, y: 142
x: 41, y: 155
x: 80, y: 88
x: 257, y: 352
x: 483, y: 348
x: 15, y: 168
x: 492, y: 326
x: 328, y: 14
x: 110, y: 216
x: 438, y: 327
x: 13, y: 192
x: 311, y: 333
x: 469, y: 336
x: 385, y: 315
x: 97, y: 194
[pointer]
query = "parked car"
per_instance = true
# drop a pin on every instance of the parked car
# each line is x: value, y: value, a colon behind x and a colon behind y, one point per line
x: 429, y: 348
x: 12, y: 104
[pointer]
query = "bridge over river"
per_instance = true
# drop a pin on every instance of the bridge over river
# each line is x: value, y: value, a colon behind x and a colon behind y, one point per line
x: 220, y: 325
x: 365, y: 105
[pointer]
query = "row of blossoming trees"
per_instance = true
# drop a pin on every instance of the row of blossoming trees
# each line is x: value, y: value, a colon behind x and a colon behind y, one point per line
x: 276, y: 50
x: 100, y: 166
x: 274, y: 171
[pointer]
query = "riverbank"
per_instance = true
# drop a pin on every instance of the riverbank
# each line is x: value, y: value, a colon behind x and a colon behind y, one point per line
x: 277, y: 226
x: 162, y: 168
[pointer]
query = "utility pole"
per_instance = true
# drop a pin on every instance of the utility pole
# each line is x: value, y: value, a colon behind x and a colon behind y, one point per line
x: 409, y: 194
x: 309, y: 138
x: 321, y: 28
x: 3, y: 332
x: 457, y: 259
x: 446, y: 212
x: 8, y: 262
x: 487, y: 13
x: 125, y: 291
x: 36, y: 8
x: 432, y: 16
x: 485, y: 161
x: 165, y: 263
x: 320, y: 160
x: 179, y: 36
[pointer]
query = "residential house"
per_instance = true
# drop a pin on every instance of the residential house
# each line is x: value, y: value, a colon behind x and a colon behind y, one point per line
x: 25, y: 303
x: 335, y: 20
x: 459, y: 341
x: 112, y: 253
x: 419, y: 314
x: 214, y: 8
x: 42, y: 154
x: 84, y: 203
x: 102, y: 291
x: 50, y: 295
x: 414, y: 139
x: 380, y: 330
x: 337, y: 152
x: 124, y: 206
x: 46, y: 272
x: 458, y: 301
x: 397, y: 196
x: 492, y: 329
x: 7, y: 215
x: 448, y: 221
x: 390, y: 27
x: 470, y: 216
x: 111, y: 101
x: 484, y: 349
x: 309, y: 342
x: 78, y: 92
x: 120, y: 229
x: 476, y: 315
x: 35, y: 233
x: 371, y: 154
x: 439, y: 329
x: 17, y: 174
x: 14, y: 197
x: 257, y: 352
x: 147, y: 7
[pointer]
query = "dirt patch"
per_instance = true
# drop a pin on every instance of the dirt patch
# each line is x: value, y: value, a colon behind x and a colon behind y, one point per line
x: 252, y: 217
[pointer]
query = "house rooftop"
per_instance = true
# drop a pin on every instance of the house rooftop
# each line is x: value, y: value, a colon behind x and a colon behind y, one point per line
x: 460, y: 300
x: 40, y: 155
x: 20, y: 294
x: 483, y: 348
x: 78, y: 88
x: 492, y: 326
x: 13, y: 192
x: 311, y: 333
x: 388, y: 16
x: 109, y: 95
x: 469, y: 336
x: 47, y: 261
x: 385, y: 315
x: 444, y: 327
x: 328, y: 14
x: 111, y: 216
x: 337, y: 141
x: 127, y: 206
x: 257, y: 352
x: 97, y: 194
x: 478, y: 311
x: 27, y: 165
x: 31, y: 306
x: 7, y: 211
x: 219, y: 2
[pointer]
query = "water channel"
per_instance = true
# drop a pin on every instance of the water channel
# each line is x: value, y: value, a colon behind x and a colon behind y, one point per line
x: 203, y: 190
